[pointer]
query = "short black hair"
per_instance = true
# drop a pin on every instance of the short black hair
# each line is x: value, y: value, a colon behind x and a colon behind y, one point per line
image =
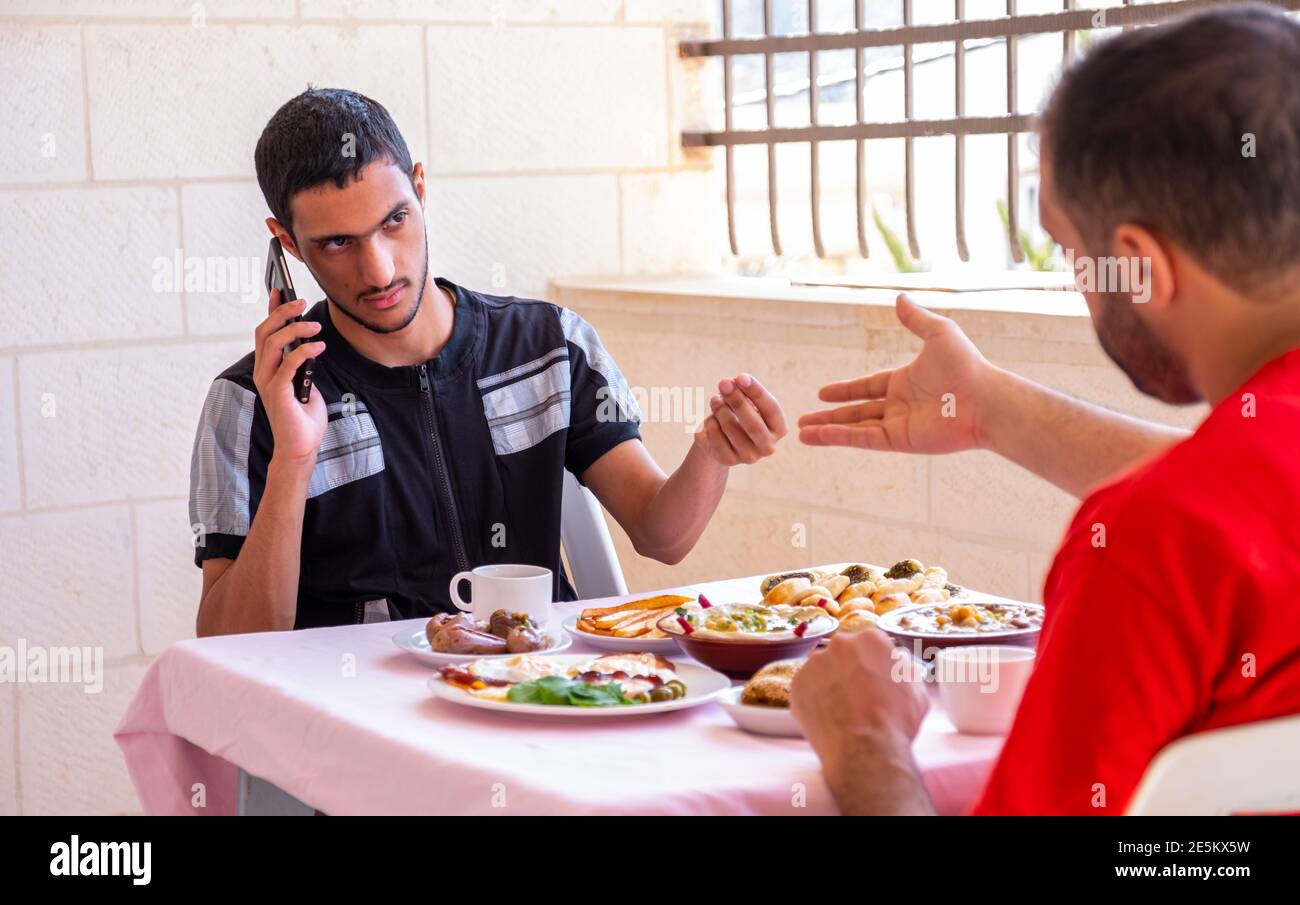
x: 1191, y: 128
x: 323, y: 134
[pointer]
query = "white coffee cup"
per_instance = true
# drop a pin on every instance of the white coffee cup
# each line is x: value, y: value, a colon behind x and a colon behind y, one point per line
x: 516, y: 589
x: 980, y: 685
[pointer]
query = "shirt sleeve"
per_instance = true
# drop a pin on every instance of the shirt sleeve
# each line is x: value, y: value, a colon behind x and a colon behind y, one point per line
x: 1119, y: 675
x: 602, y: 409
x: 219, y: 485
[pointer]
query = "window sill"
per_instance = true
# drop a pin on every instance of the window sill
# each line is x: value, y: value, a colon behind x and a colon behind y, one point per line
x: 1053, y: 303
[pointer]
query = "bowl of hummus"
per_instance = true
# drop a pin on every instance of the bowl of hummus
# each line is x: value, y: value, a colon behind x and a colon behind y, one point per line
x: 738, y: 639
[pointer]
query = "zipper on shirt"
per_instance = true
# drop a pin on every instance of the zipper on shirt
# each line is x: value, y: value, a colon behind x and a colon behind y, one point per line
x: 440, y: 471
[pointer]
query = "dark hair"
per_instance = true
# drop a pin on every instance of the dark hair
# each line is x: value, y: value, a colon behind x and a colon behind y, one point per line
x: 306, y: 143
x: 1155, y: 126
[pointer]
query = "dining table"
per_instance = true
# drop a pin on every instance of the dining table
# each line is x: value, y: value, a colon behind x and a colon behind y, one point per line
x: 341, y: 721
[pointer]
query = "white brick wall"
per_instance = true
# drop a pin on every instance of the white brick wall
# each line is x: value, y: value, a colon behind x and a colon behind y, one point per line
x: 665, y: 227
x: 548, y: 132
x: 98, y: 286
x: 169, y: 582
x: 527, y: 98
x: 215, y: 221
x: 122, y: 419
x: 148, y: 127
x: 495, y: 11
x: 10, y: 482
x: 700, y: 11
x: 164, y: 9
x: 8, y: 751
x: 484, y: 231
x: 68, y: 760
x: 44, y: 138
x: 69, y: 579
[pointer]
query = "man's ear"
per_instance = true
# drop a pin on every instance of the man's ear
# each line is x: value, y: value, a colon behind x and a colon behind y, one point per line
x: 285, y: 237
x: 417, y: 180
x: 1146, y: 259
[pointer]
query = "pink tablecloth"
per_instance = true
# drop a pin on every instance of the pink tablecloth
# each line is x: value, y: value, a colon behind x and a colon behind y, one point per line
x: 341, y: 719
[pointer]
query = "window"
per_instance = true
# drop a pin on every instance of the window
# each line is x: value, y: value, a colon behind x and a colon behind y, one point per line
x: 873, y: 137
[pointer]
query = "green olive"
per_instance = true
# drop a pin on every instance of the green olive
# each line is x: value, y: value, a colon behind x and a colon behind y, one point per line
x: 662, y: 693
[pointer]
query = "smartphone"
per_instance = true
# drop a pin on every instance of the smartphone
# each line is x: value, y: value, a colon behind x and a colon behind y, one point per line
x: 277, y: 277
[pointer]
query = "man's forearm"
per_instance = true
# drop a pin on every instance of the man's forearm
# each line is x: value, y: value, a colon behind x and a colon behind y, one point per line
x: 876, y: 777
x: 1069, y: 442
x: 678, y: 514
x: 259, y: 591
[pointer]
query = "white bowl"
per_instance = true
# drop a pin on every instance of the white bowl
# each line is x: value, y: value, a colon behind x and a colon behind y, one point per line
x: 980, y: 685
x: 758, y: 719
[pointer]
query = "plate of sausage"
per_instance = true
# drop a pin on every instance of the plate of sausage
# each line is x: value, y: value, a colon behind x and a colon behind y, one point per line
x: 451, y: 638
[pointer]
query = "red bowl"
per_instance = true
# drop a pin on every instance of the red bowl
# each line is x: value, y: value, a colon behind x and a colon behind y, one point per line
x: 740, y: 658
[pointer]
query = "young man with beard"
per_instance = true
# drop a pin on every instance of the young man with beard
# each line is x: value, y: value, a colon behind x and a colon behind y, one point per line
x: 441, y: 420
x: 1185, y: 617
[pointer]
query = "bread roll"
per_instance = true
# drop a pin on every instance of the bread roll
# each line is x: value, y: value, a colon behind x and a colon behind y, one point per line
x: 860, y: 605
x: 835, y: 585
x: 855, y: 591
x: 895, y: 586
x: 930, y: 595
x: 857, y: 621
x: 772, y: 581
x: 786, y: 591
x: 770, y: 686
x: 807, y: 594
x: 859, y: 573
x: 886, y: 602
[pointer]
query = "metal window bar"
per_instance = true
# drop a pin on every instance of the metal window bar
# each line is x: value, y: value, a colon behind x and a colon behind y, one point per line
x: 1013, y: 150
x: 860, y: 179
x: 959, y: 150
x: 727, y: 125
x: 909, y: 150
x: 769, y: 101
x: 815, y: 190
x: 1008, y: 28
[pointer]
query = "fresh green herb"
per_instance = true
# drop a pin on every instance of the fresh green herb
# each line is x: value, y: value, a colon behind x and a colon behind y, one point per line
x: 680, y: 611
x: 565, y: 692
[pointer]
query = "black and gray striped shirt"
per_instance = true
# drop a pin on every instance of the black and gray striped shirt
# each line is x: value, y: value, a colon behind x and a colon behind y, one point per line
x: 424, y: 470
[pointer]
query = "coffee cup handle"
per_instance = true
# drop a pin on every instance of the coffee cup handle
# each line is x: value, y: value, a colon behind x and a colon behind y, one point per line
x: 461, y: 605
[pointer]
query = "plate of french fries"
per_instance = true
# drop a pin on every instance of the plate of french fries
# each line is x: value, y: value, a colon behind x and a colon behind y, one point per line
x: 628, y: 626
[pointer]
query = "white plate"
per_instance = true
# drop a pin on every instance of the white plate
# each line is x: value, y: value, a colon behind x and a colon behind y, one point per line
x: 758, y: 719
x: 702, y: 685
x: 665, y: 646
x: 415, y: 641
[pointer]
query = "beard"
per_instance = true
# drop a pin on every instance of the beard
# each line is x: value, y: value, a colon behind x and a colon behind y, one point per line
x: 1155, y: 369
x: 412, y: 309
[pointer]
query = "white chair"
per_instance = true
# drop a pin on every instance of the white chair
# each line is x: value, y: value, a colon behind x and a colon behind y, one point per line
x: 1241, y: 769
x: 588, y: 548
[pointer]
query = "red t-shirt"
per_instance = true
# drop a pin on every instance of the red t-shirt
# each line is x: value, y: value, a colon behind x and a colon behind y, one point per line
x: 1173, y: 607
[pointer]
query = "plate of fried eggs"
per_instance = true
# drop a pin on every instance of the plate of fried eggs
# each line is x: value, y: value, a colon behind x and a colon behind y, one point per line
x: 567, y: 686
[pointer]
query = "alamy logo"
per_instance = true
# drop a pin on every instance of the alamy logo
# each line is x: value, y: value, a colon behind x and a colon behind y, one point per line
x: 102, y: 859
x: 38, y: 664
x: 1130, y: 275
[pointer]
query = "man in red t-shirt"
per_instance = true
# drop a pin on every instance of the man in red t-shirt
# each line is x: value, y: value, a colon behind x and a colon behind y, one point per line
x: 1173, y: 605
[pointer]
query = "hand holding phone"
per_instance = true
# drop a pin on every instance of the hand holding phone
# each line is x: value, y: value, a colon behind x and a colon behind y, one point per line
x: 283, y: 344
x: 277, y: 277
